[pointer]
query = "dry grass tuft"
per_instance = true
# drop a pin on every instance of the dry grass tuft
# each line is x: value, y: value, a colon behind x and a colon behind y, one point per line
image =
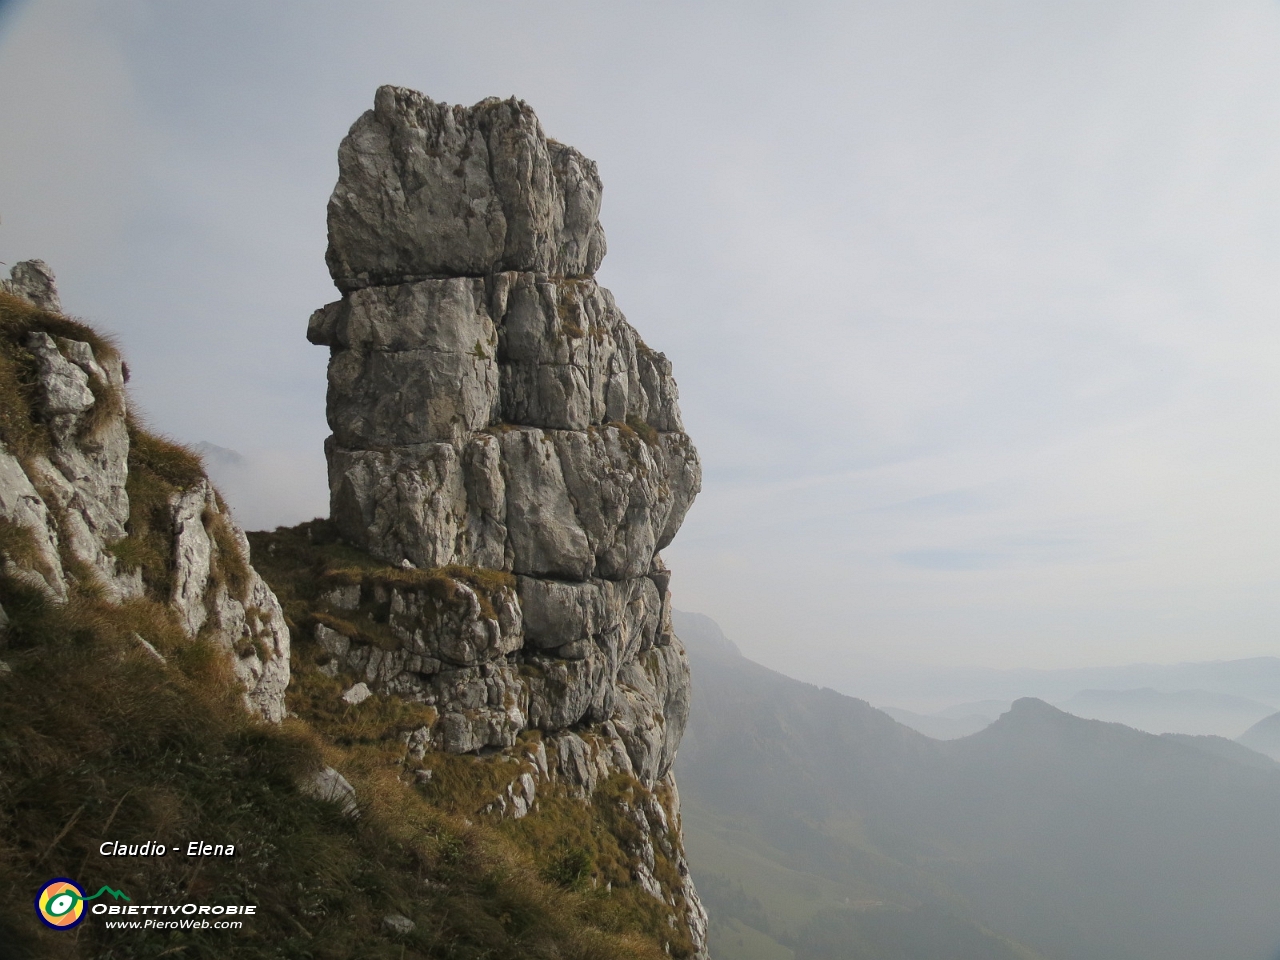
x: 20, y: 430
x: 158, y: 469
x: 230, y: 566
x: 642, y: 429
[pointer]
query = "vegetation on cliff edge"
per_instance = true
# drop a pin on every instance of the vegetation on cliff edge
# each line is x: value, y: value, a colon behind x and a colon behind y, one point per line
x: 101, y: 740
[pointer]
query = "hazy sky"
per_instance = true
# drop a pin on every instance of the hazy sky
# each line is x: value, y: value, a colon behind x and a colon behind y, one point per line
x: 974, y: 306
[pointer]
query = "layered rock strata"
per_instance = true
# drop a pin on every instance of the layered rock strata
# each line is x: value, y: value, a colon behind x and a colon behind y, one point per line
x: 70, y: 499
x: 502, y: 435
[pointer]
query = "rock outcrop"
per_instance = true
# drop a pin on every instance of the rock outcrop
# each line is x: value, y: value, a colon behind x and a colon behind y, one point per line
x: 33, y: 281
x: 66, y: 495
x: 507, y: 443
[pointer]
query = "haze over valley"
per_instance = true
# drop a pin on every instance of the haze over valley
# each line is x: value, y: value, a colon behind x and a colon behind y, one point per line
x: 820, y: 828
x: 380, y: 382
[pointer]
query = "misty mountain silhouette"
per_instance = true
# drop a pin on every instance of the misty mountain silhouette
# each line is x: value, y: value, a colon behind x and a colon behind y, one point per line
x: 942, y: 727
x: 1264, y: 736
x: 1079, y: 839
x: 1160, y: 711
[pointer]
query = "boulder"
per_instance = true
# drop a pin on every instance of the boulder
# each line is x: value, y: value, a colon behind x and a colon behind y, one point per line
x: 328, y: 785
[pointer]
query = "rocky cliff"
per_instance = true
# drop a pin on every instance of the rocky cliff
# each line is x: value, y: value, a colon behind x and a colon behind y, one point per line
x: 508, y: 445
x: 476, y: 645
x: 90, y: 503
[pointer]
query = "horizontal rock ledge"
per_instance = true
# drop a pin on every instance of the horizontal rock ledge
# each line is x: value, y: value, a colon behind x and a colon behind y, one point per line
x: 558, y: 504
x: 435, y: 359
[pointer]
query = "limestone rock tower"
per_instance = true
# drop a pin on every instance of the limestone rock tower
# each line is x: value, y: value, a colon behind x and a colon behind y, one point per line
x: 496, y: 420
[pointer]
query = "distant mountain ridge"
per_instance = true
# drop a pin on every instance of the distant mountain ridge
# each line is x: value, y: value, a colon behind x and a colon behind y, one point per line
x: 1264, y: 736
x: 1069, y: 838
x: 1203, y: 712
x: 1188, y: 712
x: 929, y: 690
x: 939, y: 726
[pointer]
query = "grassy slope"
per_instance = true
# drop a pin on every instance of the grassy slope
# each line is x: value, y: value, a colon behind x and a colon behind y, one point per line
x: 100, y: 741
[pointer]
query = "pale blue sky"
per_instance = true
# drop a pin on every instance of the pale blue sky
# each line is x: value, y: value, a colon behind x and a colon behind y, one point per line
x: 973, y: 306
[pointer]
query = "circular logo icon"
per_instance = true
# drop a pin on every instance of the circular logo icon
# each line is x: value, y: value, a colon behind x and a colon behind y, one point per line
x: 60, y: 903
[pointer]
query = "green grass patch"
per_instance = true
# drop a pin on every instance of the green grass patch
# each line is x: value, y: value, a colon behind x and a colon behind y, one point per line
x: 18, y: 546
x: 641, y: 428
x: 569, y: 310
x: 230, y: 568
x: 591, y: 846
x: 306, y: 562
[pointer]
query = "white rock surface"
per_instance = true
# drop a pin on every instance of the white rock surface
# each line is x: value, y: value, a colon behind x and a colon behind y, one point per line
x: 251, y: 626
x: 431, y: 190
x: 332, y: 787
x: 398, y: 924
x: 357, y: 694
x: 74, y: 504
x: 492, y: 408
x: 33, y: 281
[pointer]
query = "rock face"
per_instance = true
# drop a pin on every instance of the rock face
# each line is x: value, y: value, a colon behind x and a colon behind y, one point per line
x: 501, y: 430
x: 427, y: 190
x: 70, y: 499
x: 33, y: 281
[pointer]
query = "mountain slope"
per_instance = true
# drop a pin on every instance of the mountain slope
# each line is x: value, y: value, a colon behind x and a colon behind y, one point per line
x: 930, y: 689
x: 937, y: 726
x: 1264, y: 736
x: 1080, y: 839
x: 772, y: 825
